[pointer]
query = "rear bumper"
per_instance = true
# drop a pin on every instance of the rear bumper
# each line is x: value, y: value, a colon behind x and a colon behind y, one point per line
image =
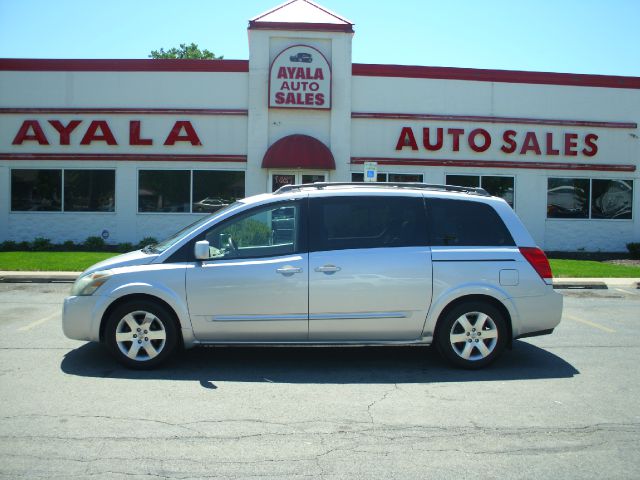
x: 537, y: 315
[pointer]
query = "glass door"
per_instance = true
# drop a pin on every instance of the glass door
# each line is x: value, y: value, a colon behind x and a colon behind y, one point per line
x: 279, y: 179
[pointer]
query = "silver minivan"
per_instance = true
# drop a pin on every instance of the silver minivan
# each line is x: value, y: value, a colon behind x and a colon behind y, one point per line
x: 327, y: 264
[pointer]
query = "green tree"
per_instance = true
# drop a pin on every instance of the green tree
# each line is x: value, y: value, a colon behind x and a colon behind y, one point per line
x: 189, y: 52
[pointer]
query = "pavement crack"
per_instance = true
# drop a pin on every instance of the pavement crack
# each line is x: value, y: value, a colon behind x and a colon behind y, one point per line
x: 383, y: 398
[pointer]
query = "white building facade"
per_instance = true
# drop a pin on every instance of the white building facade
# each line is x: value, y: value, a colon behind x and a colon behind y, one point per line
x: 127, y: 149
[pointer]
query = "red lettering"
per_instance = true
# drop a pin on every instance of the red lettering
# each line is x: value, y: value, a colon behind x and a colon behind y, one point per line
x: 530, y: 144
x: 472, y: 140
x: 285, y: 86
x: 300, y: 74
x: 550, y: 150
x: 190, y: 134
x: 570, y: 144
x: 134, y: 134
x: 319, y: 98
x: 291, y: 71
x: 92, y: 133
x: 510, y: 144
x: 426, y: 140
x: 455, y: 133
x: 318, y: 75
x: 279, y: 98
x: 282, y: 72
x: 309, y: 98
x: 406, y: 139
x: 24, y: 134
x: 65, y: 132
x: 591, y: 148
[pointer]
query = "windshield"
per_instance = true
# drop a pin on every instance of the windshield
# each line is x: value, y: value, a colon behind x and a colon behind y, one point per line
x: 176, y: 237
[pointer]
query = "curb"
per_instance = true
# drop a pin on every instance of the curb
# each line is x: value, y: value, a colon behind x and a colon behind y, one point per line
x: 580, y: 286
x: 38, y: 277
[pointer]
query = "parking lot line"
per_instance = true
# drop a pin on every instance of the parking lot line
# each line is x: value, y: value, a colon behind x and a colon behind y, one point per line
x: 626, y: 291
x: 591, y: 324
x: 38, y: 322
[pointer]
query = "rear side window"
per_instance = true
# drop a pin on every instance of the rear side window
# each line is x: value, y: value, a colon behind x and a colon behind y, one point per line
x: 461, y: 223
x: 341, y: 223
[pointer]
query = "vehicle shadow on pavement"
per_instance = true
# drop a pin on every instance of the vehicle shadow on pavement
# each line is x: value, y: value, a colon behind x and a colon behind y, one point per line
x: 323, y: 365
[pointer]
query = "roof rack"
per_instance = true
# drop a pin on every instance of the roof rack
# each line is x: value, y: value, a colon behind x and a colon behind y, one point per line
x: 407, y: 185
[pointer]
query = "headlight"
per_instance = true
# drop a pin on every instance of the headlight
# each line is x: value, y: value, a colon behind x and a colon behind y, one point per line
x: 88, y: 284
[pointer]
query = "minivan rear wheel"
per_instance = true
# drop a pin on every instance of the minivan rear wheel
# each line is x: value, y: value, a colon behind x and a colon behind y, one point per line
x: 140, y: 334
x: 472, y: 335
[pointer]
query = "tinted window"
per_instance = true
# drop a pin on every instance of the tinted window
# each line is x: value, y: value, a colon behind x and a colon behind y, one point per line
x: 215, y: 189
x: 36, y: 190
x: 611, y: 199
x: 341, y: 223
x: 462, y: 223
x: 89, y: 190
x: 164, y: 190
x: 568, y: 198
x: 498, y: 186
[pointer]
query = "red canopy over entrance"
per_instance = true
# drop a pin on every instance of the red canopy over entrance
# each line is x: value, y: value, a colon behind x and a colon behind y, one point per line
x: 299, y: 151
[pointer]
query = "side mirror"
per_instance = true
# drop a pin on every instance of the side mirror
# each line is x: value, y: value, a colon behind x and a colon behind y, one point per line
x: 201, y: 250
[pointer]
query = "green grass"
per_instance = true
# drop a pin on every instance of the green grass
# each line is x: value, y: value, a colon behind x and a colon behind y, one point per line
x: 51, y: 261
x: 78, y: 261
x: 591, y: 269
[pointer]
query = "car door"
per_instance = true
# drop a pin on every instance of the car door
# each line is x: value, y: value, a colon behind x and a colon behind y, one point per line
x: 370, y: 274
x: 255, y: 286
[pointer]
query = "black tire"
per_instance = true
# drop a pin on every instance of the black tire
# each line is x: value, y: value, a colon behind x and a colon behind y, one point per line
x: 477, y: 347
x: 141, y: 334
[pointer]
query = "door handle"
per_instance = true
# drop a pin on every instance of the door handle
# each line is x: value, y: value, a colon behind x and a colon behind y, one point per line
x: 288, y: 270
x: 327, y: 269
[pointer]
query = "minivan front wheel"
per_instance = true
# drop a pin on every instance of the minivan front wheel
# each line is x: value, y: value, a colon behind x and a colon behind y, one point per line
x: 140, y: 334
x: 472, y: 334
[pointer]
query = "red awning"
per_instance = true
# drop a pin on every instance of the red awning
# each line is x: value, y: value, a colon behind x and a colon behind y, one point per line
x: 299, y: 151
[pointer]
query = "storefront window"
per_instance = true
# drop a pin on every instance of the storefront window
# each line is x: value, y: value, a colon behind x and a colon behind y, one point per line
x: 164, y: 191
x: 89, y: 190
x: 568, y: 198
x: 464, y: 180
x: 213, y: 190
x: 495, y: 185
x: 611, y: 199
x: 186, y: 191
x: 36, y: 190
x: 390, y: 177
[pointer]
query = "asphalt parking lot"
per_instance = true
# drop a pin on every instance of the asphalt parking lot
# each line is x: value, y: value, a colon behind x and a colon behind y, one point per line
x: 560, y: 406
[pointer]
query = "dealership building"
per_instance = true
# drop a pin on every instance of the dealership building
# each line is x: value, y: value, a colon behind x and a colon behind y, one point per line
x: 127, y: 149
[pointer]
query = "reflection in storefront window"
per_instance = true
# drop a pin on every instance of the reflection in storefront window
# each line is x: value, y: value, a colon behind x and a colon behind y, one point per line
x: 568, y: 198
x: 175, y: 190
x: 89, y: 190
x: 164, y: 191
x: 464, y: 180
x: 498, y: 186
x: 611, y: 199
x: 36, y: 190
x: 589, y: 198
x: 213, y: 190
x: 390, y: 177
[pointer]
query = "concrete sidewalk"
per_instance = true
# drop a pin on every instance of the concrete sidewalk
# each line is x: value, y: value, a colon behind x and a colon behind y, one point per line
x: 559, y: 283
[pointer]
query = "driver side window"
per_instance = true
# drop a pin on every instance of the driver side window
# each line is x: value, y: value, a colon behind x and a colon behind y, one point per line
x: 264, y: 232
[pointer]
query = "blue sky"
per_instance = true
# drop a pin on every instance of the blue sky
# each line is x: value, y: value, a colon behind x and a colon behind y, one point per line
x: 577, y: 36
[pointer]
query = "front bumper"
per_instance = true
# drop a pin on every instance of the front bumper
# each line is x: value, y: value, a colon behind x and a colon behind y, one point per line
x: 81, y: 317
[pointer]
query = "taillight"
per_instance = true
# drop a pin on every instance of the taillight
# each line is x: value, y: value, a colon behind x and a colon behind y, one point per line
x: 538, y: 261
